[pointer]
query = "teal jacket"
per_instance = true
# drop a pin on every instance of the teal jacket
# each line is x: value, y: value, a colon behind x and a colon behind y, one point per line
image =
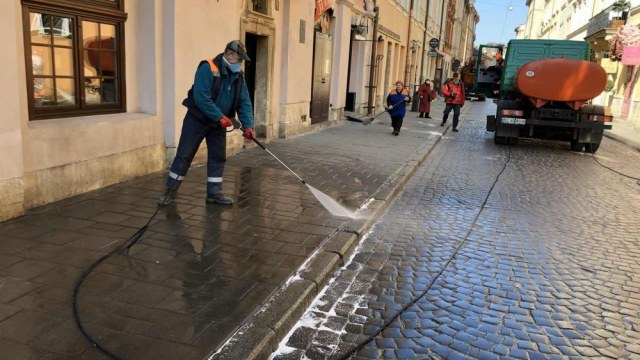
x: 203, y: 85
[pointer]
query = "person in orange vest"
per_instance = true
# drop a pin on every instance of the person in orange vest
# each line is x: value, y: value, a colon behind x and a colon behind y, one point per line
x: 453, y: 92
x: 397, y: 106
x: 219, y: 92
x: 426, y: 95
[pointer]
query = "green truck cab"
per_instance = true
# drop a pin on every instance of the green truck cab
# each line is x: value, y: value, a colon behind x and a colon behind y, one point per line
x: 546, y: 88
x: 481, y: 74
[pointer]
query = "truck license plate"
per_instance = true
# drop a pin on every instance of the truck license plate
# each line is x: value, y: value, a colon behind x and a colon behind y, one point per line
x: 513, y: 121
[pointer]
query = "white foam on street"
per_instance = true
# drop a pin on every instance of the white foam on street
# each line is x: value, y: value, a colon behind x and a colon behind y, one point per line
x: 309, y: 320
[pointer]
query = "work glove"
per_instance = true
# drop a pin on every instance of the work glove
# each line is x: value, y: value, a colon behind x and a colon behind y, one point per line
x: 248, y: 134
x: 407, y: 98
x: 390, y: 107
x: 420, y: 97
x: 453, y: 95
x: 225, y: 122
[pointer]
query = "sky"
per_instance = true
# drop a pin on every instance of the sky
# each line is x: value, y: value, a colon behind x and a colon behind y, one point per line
x: 497, y: 23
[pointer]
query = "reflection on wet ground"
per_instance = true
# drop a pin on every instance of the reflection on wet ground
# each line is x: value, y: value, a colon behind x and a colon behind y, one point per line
x: 199, y: 270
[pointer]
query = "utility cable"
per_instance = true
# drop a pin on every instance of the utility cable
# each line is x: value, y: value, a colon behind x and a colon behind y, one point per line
x: 422, y: 294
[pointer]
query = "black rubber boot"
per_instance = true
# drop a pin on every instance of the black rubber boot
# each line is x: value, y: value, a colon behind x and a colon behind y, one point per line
x: 168, y: 197
x: 219, y: 199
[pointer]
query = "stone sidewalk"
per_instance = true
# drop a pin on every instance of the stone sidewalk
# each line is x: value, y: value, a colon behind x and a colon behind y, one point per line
x: 200, y: 272
x: 625, y: 134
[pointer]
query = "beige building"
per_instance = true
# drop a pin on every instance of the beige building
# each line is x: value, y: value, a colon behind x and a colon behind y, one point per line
x: 93, y: 88
x: 403, y: 48
x: 597, y: 22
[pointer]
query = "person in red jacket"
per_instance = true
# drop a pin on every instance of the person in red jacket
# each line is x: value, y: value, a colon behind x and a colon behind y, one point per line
x: 426, y: 96
x: 453, y: 92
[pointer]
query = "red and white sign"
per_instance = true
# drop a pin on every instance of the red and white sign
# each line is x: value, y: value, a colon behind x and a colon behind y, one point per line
x: 631, y: 55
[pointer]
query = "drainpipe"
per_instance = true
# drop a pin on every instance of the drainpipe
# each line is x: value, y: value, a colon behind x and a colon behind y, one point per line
x: 407, y: 70
x: 374, y: 45
x: 424, y: 42
x: 442, y: 74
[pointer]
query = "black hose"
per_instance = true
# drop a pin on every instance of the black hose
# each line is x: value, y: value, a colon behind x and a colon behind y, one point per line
x: 422, y: 294
x: 411, y: 303
x: 614, y: 170
x: 76, y: 289
x: 125, y: 246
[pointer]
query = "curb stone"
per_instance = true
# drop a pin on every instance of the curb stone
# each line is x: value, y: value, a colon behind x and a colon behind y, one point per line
x: 262, y: 332
x: 622, y: 140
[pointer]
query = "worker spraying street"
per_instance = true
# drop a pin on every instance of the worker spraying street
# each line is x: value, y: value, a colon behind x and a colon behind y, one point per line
x: 219, y: 91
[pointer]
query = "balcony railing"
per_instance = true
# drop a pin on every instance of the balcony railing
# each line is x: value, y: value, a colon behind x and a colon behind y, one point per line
x: 604, y: 20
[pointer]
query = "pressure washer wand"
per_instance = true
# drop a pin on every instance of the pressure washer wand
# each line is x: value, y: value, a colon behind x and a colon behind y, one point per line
x: 275, y: 157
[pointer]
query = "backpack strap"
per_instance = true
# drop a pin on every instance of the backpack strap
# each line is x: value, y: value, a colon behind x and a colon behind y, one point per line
x: 214, y: 68
x: 217, y: 81
x: 215, y: 92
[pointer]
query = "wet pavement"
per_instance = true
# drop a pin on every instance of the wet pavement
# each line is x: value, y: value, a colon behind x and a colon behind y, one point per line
x: 200, y: 271
x: 492, y: 252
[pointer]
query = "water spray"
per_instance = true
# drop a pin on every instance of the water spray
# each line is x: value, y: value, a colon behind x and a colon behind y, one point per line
x: 329, y: 203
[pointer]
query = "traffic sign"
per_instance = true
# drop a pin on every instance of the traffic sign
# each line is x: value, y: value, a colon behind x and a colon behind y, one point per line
x: 432, y: 53
x: 434, y: 42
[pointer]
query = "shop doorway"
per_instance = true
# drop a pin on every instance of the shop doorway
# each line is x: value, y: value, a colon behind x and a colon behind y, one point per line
x: 256, y: 73
x: 321, y: 84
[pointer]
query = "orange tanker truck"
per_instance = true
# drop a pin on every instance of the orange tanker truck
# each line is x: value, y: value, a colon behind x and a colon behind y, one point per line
x: 546, y: 91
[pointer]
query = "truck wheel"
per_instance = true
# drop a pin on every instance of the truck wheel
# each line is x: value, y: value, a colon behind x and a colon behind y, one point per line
x: 482, y: 97
x: 591, y: 148
x: 576, y: 146
x: 500, y: 140
x: 513, y: 141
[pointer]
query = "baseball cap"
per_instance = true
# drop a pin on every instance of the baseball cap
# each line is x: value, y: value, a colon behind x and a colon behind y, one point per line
x: 238, y: 47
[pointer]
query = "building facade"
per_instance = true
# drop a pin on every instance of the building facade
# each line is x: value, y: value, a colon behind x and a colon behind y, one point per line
x: 596, y: 21
x: 93, y: 88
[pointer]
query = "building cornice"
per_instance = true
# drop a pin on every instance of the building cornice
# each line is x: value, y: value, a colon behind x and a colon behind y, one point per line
x: 356, y: 9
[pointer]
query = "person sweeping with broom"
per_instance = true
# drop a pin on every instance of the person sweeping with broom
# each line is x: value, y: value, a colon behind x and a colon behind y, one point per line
x: 397, y: 106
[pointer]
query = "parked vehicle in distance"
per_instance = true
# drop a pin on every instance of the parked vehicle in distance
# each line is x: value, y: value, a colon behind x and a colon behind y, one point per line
x: 481, y: 73
x: 546, y: 91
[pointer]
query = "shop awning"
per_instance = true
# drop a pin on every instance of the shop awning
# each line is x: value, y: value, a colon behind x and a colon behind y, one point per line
x: 321, y: 7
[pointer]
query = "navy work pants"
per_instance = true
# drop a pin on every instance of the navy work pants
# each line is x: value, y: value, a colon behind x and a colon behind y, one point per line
x: 194, y: 131
x: 396, y: 123
x: 456, y: 114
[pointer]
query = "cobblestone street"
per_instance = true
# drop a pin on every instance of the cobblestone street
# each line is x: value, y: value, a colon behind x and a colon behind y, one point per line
x: 526, y: 252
